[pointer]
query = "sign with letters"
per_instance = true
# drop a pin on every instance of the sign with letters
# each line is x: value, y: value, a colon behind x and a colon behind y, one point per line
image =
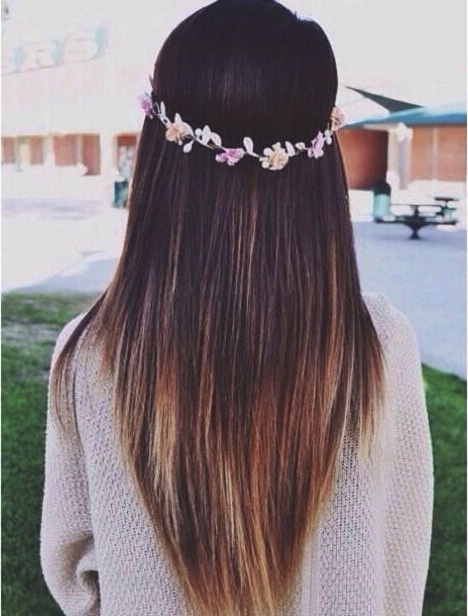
x: 81, y: 46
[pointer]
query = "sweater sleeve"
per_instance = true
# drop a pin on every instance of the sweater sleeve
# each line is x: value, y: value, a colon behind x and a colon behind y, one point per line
x: 68, y: 555
x: 409, y: 479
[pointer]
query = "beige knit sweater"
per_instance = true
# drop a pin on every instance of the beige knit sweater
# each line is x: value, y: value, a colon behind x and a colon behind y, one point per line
x: 369, y: 557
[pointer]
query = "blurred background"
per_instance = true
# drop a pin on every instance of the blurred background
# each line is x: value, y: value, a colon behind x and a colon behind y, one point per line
x: 72, y: 71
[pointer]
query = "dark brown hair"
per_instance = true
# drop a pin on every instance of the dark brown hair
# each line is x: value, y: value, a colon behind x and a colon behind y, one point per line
x: 234, y: 326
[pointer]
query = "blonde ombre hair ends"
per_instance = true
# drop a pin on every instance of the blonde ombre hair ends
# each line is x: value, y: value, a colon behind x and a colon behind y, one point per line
x: 234, y: 327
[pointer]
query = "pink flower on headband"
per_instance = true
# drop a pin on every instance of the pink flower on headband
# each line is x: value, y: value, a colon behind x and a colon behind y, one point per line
x: 146, y: 104
x: 231, y: 156
x: 316, y: 146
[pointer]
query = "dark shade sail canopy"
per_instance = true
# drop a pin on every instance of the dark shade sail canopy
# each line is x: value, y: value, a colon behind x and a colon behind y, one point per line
x: 392, y: 104
x: 439, y: 115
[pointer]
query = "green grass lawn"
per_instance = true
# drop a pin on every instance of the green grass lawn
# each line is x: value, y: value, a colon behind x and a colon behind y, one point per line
x: 30, y: 327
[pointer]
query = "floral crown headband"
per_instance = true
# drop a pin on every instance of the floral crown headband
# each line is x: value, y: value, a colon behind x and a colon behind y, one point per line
x: 274, y: 158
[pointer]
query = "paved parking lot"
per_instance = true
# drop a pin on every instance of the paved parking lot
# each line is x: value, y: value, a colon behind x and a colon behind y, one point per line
x: 426, y: 279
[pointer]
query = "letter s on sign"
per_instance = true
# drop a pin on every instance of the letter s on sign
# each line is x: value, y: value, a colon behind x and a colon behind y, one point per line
x: 81, y: 46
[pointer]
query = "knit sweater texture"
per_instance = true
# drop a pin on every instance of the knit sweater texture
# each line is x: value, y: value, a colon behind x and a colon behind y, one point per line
x: 368, y: 557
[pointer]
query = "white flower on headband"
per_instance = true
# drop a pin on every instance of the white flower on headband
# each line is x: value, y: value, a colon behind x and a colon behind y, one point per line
x: 337, y: 119
x: 178, y: 130
x: 274, y: 158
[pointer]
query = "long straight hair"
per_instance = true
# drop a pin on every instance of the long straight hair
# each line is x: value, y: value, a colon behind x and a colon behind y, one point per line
x: 234, y: 327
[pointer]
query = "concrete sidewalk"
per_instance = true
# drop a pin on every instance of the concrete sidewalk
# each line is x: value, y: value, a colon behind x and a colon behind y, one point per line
x: 49, y: 246
x: 75, y: 248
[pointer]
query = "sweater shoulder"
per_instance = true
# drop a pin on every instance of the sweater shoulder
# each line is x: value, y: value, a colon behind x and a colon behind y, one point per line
x: 66, y: 333
x: 393, y: 327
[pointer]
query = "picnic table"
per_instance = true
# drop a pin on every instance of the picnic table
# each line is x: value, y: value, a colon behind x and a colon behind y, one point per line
x: 436, y: 211
x: 447, y: 202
